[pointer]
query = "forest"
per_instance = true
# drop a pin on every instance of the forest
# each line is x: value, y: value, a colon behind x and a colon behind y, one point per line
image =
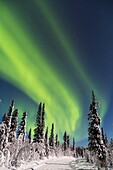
x: 17, y: 146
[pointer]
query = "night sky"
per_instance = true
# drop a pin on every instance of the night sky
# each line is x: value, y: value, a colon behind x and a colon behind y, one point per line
x: 57, y: 52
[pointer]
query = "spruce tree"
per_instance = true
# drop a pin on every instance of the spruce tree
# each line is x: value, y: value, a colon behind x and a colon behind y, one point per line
x: 13, y: 127
x: 56, y: 140
x: 29, y: 136
x: 4, y: 118
x: 22, y: 127
x: 37, y: 130
x: 106, y: 141
x: 7, y: 122
x: 46, y: 142
x: 73, y: 144
x: 2, y: 136
x: 51, y: 139
x: 103, y: 136
x: 96, y: 145
x: 42, y: 123
x: 65, y: 140
x: 9, y: 114
x: 46, y: 136
x: 111, y: 144
x: 68, y: 141
x: 93, y: 130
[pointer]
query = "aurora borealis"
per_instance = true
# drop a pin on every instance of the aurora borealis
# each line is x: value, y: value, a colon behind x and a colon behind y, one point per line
x: 57, y: 53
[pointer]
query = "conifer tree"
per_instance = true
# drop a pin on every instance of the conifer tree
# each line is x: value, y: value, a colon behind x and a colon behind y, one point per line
x: 4, y: 118
x: 73, y: 144
x: 46, y: 142
x: 56, y: 140
x: 111, y: 143
x: 7, y: 122
x: 22, y: 127
x: 29, y: 136
x: 37, y: 130
x: 68, y: 141
x: 13, y: 127
x: 65, y: 140
x: 42, y: 123
x: 106, y: 141
x: 9, y: 114
x: 51, y: 139
x: 94, y: 122
x: 103, y: 136
x: 46, y: 136
x: 2, y: 136
x: 96, y: 145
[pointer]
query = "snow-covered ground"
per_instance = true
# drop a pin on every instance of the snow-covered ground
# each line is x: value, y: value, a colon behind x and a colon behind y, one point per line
x: 81, y: 163
x: 55, y: 163
x: 58, y: 163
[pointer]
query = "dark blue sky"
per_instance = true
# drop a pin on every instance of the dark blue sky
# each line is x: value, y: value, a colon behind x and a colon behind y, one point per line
x: 75, y: 38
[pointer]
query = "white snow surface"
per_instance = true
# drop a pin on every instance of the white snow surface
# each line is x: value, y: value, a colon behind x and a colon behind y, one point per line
x: 53, y: 163
x: 58, y: 163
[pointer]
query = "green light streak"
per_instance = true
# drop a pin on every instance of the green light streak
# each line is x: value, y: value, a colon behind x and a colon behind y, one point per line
x: 21, y: 67
x: 72, y: 57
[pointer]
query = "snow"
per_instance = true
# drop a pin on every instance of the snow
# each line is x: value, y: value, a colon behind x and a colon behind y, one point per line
x: 57, y: 163
x: 52, y: 162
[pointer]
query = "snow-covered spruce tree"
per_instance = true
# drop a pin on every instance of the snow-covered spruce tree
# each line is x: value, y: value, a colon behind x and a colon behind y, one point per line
x: 65, y: 140
x: 111, y: 144
x: 111, y: 148
x: 2, y: 135
x: 106, y: 141
x: 7, y: 122
x: 46, y: 143
x: 4, y: 118
x: 37, y: 130
x: 42, y: 123
x: 29, y: 135
x: 9, y: 115
x: 95, y: 142
x: 13, y: 127
x: 22, y: 127
x: 103, y: 136
x: 51, y: 139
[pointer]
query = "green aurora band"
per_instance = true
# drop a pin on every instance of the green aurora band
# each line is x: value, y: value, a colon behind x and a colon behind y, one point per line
x: 23, y: 64
x: 71, y: 56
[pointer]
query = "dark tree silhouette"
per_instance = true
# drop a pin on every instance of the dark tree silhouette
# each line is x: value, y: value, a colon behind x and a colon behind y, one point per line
x: 4, y: 118
x: 42, y: 123
x: 37, y: 130
x: 51, y: 139
x: 29, y: 136
x: 68, y: 141
x: 73, y: 144
x: 46, y: 142
x: 22, y: 127
x: 56, y: 140
x: 46, y: 135
x: 13, y: 127
x: 65, y: 140
x: 9, y: 114
x: 7, y: 122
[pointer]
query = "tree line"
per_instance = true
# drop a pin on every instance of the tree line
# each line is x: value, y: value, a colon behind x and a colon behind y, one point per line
x: 15, y: 148
x: 42, y: 144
